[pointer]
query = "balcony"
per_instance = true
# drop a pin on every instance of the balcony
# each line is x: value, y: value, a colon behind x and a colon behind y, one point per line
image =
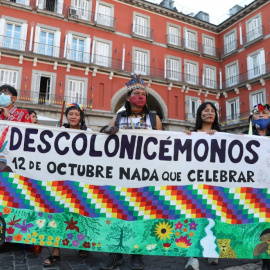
x: 52, y: 7
x: 209, y: 51
x: 48, y: 99
x: 105, y: 61
x: 253, y: 36
x: 209, y: 83
x: 190, y: 117
x: 12, y: 43
x: 174, y: 75
x: 229, y: 49
x: 105, y: 21
x: 28, y: 4
x: 192, y: 46
x: 235, y: 119
x: 142, y: 32
x: 76, y: 13
x: 47, y: 50
x: 175, y: 42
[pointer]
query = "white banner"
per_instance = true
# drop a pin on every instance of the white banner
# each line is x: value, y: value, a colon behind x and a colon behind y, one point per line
x: 135, y: 158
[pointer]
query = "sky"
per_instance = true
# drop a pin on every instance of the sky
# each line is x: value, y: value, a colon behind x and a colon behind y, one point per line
x: 217, y: 9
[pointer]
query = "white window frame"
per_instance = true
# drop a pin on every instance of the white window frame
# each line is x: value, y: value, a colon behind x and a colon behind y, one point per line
x: 4, y: 20
x: 207, y: 48
x: 140, y: 29
x: 100, y: 58
x: 192, y: 105
x: 233, y: 117
x: 73, y: 98
x: 56, y: 42
x: 174, y: 68
x: 103, y: 18
x: 256, y: 30
x: 175, y: 38
x: 254, y: 72
x: 9, y: 70
x: 68, y: 46
x: 257, y: 97
x: 137, y: 68
x: 210, y: 79
x: 191, y: 77
x: 81, y: 9
x: 232, y: 80
x: 58, y: 6
x: 189, y: 42
x: 230, y: 45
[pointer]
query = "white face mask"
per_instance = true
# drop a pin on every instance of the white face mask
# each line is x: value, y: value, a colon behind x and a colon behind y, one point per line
x: 5, y: 100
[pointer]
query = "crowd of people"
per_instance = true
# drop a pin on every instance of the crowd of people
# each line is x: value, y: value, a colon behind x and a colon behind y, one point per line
x: 135, y: 115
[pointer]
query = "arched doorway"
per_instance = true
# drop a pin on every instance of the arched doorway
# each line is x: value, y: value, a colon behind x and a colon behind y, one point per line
x: 154, y: 101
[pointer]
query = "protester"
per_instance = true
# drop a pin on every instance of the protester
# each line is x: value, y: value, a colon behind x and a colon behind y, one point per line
x: 135, y: 116
x: 207, y: 122
x: 7, y: 109
x: 75, y: 117
x: 33, y: 116
x: 259, y: 126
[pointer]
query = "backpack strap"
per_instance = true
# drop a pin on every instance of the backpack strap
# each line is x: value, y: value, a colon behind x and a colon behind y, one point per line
x: 118, y: 119
x: 153, y: 119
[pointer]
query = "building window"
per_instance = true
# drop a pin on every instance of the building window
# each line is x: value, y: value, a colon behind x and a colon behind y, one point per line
x: 254, y: 28
x: 256, y: 98
x: 47, y: 41
x: 209, y: 78
x: 232, y: 74
x: 256, y: 64
x: 230, y: 42
x: 76, y: 91
x: 191, y: 40
x: 81, y: 9
x: 141, y: 61
x: 102, y: 53
x: 8, y: 76
x: 173, y: 37
x: 77, y: 47
x: 192, y: 104
x: 141, y: 25
x: 232, y: 110
x: 105, y: 14
x: 14, y: 34
x: 56, y: 6
x: 191, y: 72
x: 209, y: 45
x: 174, y: 68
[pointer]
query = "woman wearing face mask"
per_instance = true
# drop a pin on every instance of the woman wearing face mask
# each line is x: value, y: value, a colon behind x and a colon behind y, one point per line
x: 206, y: 123
x: 259, y: 119
x: 8, y: 95
x: 75, y: 117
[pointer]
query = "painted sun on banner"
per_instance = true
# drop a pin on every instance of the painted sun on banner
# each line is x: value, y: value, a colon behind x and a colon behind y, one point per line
x: 147, y: 192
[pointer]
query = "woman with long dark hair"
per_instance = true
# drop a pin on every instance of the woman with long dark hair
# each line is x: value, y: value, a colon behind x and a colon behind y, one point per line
x: 206, y: 122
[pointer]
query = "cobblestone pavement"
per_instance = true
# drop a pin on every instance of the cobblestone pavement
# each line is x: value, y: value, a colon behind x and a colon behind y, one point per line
x: 14, y: 257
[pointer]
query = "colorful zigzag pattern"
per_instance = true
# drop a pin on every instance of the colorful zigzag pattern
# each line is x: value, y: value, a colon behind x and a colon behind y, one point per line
x: 229, y: 205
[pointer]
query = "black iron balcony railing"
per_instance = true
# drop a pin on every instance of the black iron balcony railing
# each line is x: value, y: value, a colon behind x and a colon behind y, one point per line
x: 192, y: 45
x: 81, y: 14
x: 105, y: 61
x: 229, y: 48
x: 105, y: 20
x: 190, y: 117
x: 231, y: 81
x: 142, y: 31
x: 47, y: 50
x: 13, y: 43
x: 175, y: 41
x: 253, y: 35
x: 50, y: 99
x: 209, y: 50
x: 210, y: 83
x: 235, y: 118
x: 174, y: 75
x: 52, y: 6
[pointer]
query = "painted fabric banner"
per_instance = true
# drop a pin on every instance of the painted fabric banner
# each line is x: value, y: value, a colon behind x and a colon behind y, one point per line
x: 139, y: 192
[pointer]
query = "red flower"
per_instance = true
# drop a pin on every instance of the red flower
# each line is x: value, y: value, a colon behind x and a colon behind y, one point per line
x: 166, y: 245
x: 93, y: 244
x: 186, y: 221
x: 260, y: 107
x: 72, y: 225
x: 10, y: 230
x: 65, y: 242
x: 13, y: 221
x: 86, y: 245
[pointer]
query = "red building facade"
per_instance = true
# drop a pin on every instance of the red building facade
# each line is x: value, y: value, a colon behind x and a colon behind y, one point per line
x: 84, y: 51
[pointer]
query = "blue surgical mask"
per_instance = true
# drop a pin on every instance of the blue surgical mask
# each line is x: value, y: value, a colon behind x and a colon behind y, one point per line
x: 5, y: 100
x: 261, y: 124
